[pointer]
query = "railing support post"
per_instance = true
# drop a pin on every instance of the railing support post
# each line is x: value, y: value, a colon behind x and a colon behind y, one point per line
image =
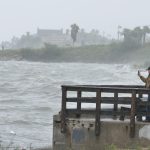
x: 132, y: 116
x: 115, y: 104
x: 138, y: 108
x: 63, y: 110
x: 148, y: 108
x: 98, y: 111
x: 78, y: 104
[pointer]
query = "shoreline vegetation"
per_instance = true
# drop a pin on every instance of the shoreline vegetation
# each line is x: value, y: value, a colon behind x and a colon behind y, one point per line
x: 112, y: 53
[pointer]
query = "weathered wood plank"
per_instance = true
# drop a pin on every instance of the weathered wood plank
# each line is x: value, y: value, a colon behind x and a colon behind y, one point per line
x: 106, y: 111
x: 78, y: 103
x: 107, y: 89
x: 132, y: 117
x: 106, y: 100
x: 98, y: 111
x: 63, y: 110
x: 115, y: 104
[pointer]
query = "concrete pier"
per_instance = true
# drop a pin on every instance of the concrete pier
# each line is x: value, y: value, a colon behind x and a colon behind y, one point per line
x: 83, y: 127
x: 80, y: 134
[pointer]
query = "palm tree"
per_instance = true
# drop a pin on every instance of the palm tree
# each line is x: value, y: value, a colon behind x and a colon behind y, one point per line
x: 126, y: 33
x: 118, y: 32
x: 132, y: 38
x: 74, y: 31
x: 145, y: 31
x: 137, y: 35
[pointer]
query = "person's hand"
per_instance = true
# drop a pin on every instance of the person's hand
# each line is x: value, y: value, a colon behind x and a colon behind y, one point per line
x: 139, y: 74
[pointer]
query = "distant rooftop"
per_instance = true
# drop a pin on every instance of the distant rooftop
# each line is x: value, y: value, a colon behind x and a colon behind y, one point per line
x: 47, y: 32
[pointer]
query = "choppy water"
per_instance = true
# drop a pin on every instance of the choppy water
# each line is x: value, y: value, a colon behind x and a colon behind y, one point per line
x: 30, y: 95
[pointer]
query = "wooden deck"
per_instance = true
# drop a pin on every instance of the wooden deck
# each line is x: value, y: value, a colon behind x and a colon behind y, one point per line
x: 117, y: 95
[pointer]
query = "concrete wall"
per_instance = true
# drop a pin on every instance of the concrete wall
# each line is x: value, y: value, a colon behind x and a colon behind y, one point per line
x: 80, y: 135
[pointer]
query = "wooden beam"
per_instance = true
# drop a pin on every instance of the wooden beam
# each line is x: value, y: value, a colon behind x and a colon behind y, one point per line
x: 63, y: 110
x: 98, y: 111
x: 78, y: 103
x: 132, y: 117
x: 115, y: 104
x: 106, y: 100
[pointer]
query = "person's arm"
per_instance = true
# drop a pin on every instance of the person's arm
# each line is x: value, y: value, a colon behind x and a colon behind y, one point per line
x: 141, y: 77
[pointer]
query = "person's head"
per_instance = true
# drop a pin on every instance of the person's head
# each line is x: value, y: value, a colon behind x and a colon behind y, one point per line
x: 148, y: 69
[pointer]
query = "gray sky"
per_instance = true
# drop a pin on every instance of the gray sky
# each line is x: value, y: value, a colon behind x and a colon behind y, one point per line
x: 19, y: 16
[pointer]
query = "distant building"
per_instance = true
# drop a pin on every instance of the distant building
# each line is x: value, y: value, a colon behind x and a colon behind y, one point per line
x: 55, y: 37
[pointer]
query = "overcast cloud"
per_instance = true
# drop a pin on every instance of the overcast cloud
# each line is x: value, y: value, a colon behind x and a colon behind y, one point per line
x: 20, y: 16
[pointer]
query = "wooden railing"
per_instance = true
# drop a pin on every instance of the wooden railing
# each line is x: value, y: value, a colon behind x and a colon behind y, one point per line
x: 135, y: 93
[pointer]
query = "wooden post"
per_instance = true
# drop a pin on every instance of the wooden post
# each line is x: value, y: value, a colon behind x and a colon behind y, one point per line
x: 98, y: 111
x: 148, y: 108
x: 78, y: 104
x: 115, y: 104
x: 138, y: 108
x: 63, y: 110
x: 132, y: 117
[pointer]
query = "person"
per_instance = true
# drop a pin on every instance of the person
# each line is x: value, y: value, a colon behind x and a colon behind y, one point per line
x: 147, y: 85
x: 145, y: 80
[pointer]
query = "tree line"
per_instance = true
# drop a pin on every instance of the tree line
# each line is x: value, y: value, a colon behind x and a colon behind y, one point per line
x: 135, y: 38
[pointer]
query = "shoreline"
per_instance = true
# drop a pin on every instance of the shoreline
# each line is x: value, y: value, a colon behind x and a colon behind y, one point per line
x: 105, y: 54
